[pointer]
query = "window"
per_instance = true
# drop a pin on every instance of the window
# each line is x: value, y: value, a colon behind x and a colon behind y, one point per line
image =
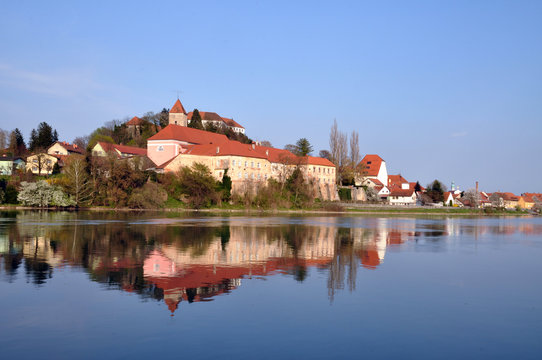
x: 369, y: 162
x: 252, y: 164
x: 252, y: 176
x: 160, y: 148
x: 265, y: 176
x: 233, y: 163
x: 239, y: 174
x: 246, y: 175
x: 258, y: 165
x: 217, y: 163
x: 259, y: 176
x: 246, y: 163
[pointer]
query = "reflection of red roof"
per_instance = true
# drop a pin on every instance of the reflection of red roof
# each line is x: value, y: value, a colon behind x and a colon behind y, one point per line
x: 177, y: 108
x: 370, y: 259
x: 372, y: 164
x: 189, y: 135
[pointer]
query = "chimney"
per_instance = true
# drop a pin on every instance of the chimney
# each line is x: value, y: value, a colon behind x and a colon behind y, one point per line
x: 477, y: 187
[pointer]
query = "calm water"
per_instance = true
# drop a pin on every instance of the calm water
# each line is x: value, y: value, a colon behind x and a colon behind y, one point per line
x: 88, y: 285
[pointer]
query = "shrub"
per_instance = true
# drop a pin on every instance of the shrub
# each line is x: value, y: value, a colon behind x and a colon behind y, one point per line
x: 150, y: 196
x: 43, y: 194
x: 345, y: 194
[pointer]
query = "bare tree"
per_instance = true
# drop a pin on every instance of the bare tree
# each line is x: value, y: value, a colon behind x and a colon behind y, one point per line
x: 496, y: 200
x: 354, y: 149
x: 4, y: 136
x: 472, y: 197
x: 79, y: 184
x: 338, y: 146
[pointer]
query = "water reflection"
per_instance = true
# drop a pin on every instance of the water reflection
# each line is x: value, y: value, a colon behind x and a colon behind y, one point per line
x: 177, y: 260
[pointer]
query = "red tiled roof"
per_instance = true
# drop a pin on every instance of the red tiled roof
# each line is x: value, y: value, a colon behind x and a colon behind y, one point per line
x: 177, y: 107
x: 134, y: 121
x: 398, y: 191
x: 131, y: 150
x: 532, y: 197
x: 312, y: 160
x: 371, y: 164
x: 70, y: 147
x: 206, y: 115
x: 232, y: 123
x: 508, y: 196
x: 227, y: 148
x: 189, y: 135
x: 212, y: 116
x: 396, y: 180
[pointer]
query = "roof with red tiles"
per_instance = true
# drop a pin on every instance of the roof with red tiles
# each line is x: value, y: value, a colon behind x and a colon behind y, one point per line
x: 312, y: 160
x: 135, y: 121
x: 398, y: 191
x: 232, y: 123
x: 206, y: 115
x: 189, y: 135
x: 532, y: 197
x: 396, y: 180
x: 178, y: 108
x: 372, y: 163
x: 508, y: 196
x: 212, y: 116
x: 70, y: 147
x: 123, y: 149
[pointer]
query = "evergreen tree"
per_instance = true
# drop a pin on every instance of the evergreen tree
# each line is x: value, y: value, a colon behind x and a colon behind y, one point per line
x: 417, y: 187
x: 195, y: 122
x: 43, y: 137
x: 304, y: 147
x: 16, y: 143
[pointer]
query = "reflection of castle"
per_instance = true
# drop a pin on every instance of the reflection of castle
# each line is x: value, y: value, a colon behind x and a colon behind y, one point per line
x: 171, y: 262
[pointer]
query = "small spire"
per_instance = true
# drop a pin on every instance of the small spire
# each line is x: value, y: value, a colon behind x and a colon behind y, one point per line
x: 178, y: 108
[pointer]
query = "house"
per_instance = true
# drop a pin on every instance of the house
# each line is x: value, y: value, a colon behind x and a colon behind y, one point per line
x: 121, y: 151
x: 64, y: 148
x: 509, y: 201
x: 43, y: 163
x: 213, y: 118
x: 248, y: 165
x: 531, y: 199
x: 8, y: 164
x: 375, y: 168
x: 173, y: 139
x: 401, y: 192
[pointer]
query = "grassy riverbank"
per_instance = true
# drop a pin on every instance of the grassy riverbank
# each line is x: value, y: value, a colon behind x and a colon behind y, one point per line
x: 322, y: 208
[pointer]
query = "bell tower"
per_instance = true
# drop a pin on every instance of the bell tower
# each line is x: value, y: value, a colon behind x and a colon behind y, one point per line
x: 177, y: 114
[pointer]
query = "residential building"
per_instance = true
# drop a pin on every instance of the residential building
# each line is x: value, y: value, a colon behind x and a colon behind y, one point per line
x: 375, y: 168
x: 64, y: 148
x: 43, y: 164
x: 121, y: 151
x: 8, y: 164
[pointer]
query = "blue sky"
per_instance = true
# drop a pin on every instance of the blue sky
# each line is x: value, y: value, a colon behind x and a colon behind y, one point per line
x: 448, y: 90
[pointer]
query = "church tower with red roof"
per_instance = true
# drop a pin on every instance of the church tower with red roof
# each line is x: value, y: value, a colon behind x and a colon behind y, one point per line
x: 177, y: 114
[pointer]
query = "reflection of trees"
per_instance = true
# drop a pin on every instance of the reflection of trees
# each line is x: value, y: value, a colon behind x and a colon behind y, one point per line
x: 195, y: 260
x: 344, y: 263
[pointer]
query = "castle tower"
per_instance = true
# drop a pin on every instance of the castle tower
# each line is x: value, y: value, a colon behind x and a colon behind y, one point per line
x: 177, y: 114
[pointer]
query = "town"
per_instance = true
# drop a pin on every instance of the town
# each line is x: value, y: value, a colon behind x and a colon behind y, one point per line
x: 201, y: 159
